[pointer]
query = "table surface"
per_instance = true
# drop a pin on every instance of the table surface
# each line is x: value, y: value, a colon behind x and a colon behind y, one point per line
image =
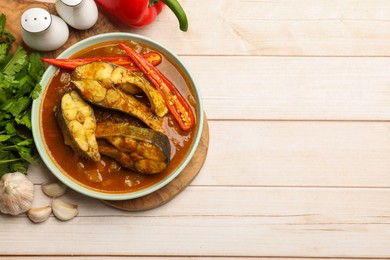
x: 297, y: 95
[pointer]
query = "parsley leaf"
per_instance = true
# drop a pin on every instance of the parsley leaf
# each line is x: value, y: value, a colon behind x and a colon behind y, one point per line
x: 17, y: 62
x: 20, y: 74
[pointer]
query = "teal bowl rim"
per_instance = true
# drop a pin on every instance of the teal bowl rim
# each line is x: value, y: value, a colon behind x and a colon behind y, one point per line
x: 36, y: 107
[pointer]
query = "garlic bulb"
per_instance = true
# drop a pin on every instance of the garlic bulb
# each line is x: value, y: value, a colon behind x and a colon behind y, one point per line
x: 16, y: 193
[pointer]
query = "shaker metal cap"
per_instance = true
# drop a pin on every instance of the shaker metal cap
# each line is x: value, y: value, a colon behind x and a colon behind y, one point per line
x: 35, y: 20
x: 71, y: 2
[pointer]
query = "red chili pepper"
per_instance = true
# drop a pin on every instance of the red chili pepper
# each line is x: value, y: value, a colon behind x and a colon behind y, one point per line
x: 139, y: 13
x: 175, y: 102
x: 153, y: 57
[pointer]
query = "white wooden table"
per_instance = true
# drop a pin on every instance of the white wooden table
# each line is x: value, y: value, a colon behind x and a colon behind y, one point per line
x: 297, y: 94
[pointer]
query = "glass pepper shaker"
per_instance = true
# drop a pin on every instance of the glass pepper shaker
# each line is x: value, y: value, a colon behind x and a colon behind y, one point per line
x: 79, y: 14
x: 42, y: 31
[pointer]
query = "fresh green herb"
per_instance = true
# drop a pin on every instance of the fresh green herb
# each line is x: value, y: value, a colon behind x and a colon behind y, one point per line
x: 20, y: 74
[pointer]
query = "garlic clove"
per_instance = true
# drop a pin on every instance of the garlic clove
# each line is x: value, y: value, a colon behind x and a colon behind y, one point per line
x: 64, y: 210
x: 54, y: 189
x: 38, y: 215
x: 16, y: 193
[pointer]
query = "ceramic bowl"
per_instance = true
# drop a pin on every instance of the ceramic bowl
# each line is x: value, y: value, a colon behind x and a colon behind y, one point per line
x: 36, y: 117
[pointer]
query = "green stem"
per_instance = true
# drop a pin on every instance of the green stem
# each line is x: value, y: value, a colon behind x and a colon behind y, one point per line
x: 176, y: 8
x: 7, y: 147
x: 10, y: 160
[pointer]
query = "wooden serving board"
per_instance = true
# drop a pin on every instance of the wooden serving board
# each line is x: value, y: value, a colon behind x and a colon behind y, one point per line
x: 177, y: 185
x: 15, y: 8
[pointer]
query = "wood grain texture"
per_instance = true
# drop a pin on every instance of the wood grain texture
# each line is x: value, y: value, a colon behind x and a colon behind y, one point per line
x: 179, y: 258
x: 305, y: 154
x: 293, y: 88
x: 346, y: 28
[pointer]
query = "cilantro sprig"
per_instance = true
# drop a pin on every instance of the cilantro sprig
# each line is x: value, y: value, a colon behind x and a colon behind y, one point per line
x: 20, y: 74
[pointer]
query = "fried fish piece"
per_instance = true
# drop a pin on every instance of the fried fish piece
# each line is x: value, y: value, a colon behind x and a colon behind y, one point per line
x: 105, y: 94
x: 124, y: 80
x: 140, y: 149
x: 78, y: 124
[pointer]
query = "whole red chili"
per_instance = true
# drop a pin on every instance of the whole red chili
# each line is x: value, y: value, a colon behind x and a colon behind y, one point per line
x: 138, y: 13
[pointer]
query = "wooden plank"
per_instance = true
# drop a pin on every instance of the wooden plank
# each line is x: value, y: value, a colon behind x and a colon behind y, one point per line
x: 251, y: 222
x: 173, y: 257
x: 282, y: 88
x: 145, y: 257
x: 299, y: 28
x: 300, y: 205
x: 336, y: 154
x: 283, y: 153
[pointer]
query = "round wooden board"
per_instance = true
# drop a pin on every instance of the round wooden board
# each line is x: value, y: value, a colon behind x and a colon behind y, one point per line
x: 15, y: 8
x: 177, y: 185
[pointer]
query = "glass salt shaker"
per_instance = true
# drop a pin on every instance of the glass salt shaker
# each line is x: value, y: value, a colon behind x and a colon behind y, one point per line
x: 79, y: 14
x: 42, y: 31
